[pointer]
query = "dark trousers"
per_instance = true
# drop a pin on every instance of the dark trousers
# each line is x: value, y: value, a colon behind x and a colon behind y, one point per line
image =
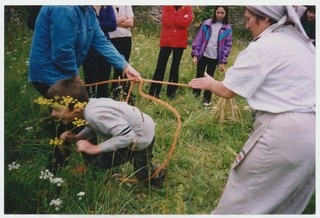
x: 123, y: 45
x: 141, y: 160
x: 202, y: 64
x: 163, y: 57
x: 96, y: 69
x: 42, y: 88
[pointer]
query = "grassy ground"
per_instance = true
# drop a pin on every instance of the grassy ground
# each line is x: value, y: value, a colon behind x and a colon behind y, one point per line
x: 197, y: 170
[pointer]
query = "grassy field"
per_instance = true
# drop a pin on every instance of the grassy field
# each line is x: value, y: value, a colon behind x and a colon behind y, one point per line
x: 197, y: 169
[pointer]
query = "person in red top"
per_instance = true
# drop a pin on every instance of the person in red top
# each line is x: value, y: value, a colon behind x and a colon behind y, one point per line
x: 173, y: 39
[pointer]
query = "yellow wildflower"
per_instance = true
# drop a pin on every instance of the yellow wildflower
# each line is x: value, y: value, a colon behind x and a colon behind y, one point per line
x: 57, y: 106
x: 79, y: 122
x: 43, y: 101
x: 61, y: 103
x: 80, y: 105
x: 56, y: 142
x: 68, y: 100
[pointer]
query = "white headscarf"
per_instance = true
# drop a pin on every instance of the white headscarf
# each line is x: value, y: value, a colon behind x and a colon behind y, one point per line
x: 281, y: 14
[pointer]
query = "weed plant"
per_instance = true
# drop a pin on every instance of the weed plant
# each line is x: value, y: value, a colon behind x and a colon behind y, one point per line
x: 197, y: 170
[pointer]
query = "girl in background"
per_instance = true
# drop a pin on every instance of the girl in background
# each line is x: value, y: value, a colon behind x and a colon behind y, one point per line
x: 308, y: 21
x: 121, y: 38
x: 211, y: 47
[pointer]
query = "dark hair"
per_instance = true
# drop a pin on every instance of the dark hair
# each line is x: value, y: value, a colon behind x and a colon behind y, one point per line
x: 225, y: 19
x: 68, y: 87
x: 310, y: 8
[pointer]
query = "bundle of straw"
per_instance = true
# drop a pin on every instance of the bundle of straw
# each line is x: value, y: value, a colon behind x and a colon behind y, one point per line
x: 227, y: 109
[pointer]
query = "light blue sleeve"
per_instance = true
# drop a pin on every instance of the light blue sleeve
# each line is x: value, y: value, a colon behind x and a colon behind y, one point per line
x: 63, y: 32
x: 106, y: 49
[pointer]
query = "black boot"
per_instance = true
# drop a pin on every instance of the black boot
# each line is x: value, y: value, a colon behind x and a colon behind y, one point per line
x: 157, y: 181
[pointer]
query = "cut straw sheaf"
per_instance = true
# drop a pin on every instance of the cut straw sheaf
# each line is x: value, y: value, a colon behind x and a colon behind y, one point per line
x: 227, y: 109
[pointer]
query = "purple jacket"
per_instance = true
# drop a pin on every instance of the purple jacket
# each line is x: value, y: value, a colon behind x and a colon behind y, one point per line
x: 201, y: 40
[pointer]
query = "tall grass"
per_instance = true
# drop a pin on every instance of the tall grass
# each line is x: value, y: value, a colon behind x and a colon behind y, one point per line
x: 197, y: 171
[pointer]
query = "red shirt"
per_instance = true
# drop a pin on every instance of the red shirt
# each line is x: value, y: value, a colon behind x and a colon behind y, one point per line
x: 175, y: 24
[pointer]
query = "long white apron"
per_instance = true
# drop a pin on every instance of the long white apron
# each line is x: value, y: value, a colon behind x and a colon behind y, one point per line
x: 275, y: 171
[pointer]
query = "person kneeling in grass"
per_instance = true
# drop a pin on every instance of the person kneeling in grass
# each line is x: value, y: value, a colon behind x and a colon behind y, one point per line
x: 127, y: 133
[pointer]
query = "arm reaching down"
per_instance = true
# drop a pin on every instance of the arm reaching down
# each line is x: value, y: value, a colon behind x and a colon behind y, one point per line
x: 210, y: 84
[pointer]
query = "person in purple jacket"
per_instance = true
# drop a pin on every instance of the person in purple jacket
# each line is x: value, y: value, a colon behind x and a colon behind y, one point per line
x: 211, y: 46
x: 95, y: 67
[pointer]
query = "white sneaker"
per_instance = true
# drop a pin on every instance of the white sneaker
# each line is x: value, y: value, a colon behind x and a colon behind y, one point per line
x: 207, y: 104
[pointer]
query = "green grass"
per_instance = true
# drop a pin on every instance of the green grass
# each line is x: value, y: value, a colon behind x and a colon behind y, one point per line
x: 197, y: 170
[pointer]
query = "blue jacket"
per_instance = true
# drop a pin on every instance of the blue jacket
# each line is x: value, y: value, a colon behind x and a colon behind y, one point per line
x: 61, y: 40
x: 201, y: 40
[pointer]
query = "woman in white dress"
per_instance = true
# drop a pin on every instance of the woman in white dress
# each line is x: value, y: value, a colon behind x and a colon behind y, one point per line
x: 275, y: 171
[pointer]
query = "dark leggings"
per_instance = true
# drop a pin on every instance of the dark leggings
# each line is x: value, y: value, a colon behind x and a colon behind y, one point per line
x: 211, y: 65
x: 123, y: 45
x: 96, y: 69
x: 42, y: 88
x: 163, y: 57
x: 141, y: 160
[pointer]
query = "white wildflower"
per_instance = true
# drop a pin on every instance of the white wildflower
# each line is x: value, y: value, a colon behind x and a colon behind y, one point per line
x: 57, y: 181
x: 29, y: 128
x: 57, y: 203
x: 80, y: 195
x: 13, y: 166
x: 46, y: 174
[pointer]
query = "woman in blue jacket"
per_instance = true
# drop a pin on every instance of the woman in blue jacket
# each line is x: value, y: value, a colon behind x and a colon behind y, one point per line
x: 61, y: 40
x: 211, y: 46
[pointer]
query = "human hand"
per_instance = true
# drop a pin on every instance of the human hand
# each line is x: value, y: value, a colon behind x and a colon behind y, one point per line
x: 87, y: 147
x: 194, y: 60
x: 204, y: 83
x: 131, y: 73
x: 68, y: 136
x: 222, y: 67
x: 122, y: 19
